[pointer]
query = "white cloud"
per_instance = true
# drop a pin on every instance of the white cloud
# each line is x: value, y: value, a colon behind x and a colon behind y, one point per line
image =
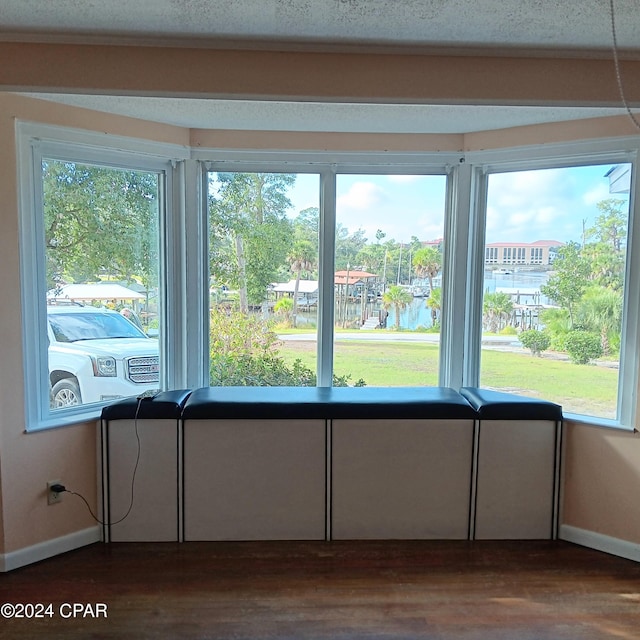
x: 361, y: 196
x: 595, y: 195
x: 546, y: 204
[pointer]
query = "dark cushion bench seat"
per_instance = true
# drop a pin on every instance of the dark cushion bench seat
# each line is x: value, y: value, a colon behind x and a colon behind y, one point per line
x: 517, y: 457
x: 497, y: 405
x: 326, y: 403
x: 164, y: 405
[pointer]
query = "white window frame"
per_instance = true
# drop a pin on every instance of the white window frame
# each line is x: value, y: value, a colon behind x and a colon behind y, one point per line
x: 35, y: 142
x: 591, y: 152
x: 184, y: 254
x: 328, y: 166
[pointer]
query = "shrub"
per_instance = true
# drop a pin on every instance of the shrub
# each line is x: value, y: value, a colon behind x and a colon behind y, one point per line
x: 508, y: 331
x: 258, y: 371
x: 583, y: 346
x: 535, y: 340
x: 343, y: 381
x: 558, y: 341
x: 245, y: 352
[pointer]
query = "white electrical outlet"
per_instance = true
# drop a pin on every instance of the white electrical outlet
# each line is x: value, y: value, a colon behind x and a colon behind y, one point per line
x: 53, y: 497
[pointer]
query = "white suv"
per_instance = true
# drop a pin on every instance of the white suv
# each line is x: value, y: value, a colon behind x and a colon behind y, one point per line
x: 96, y: 354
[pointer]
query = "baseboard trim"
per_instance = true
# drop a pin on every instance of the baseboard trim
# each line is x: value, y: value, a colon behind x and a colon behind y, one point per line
x: 48, y: 549
x: 600, y: 542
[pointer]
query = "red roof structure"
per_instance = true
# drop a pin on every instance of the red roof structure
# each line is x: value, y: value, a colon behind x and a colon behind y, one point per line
x: 354, y: 276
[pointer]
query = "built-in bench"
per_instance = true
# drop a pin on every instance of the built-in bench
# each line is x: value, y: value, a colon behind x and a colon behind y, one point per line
x: 330, y: 463
x: 150, y: 427
x: 517, y: 463
x: 314, y: 463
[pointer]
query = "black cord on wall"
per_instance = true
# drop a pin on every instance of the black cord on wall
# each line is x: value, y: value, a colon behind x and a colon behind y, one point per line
x: 59, y: 488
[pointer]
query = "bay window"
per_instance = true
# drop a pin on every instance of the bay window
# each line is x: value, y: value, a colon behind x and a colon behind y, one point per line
x: 513, y: 270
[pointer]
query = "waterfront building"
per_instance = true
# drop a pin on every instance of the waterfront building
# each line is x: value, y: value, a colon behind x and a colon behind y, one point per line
x: 539, y: 253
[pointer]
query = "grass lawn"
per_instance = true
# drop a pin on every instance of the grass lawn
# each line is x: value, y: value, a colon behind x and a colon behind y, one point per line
x: 585, y: 389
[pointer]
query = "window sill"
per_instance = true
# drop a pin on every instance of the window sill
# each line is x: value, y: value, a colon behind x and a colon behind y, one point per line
x: 603, y: 423
x: 66, y: 420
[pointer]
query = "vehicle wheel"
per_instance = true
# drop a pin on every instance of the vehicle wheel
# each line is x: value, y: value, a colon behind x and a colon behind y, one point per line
x: 65, y: 393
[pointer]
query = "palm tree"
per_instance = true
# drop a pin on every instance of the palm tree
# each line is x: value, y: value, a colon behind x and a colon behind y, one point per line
x: 301, y: 258
x: 600, y: 310
x: 496, y: 307
x: 434, y: 302
x: 398, y: 298
x: 426, y: 263
x: 283, y: 307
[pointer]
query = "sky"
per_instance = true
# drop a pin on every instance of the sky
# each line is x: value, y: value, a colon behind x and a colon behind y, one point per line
x: 523, y: 206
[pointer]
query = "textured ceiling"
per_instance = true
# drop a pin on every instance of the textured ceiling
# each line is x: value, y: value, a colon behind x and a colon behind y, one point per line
x: 581, y: 27
x: 543, y: 24
x: 359, y: 118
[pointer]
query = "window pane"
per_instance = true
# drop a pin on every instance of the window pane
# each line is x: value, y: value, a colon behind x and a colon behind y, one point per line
x: 554, y: 284
x: 263, y: 261
x: 388, y: 275
x: 101, y: 253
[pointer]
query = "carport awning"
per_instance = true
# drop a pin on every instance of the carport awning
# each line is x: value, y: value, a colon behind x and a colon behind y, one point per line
x: 305, y: 286
x: 107, y: 291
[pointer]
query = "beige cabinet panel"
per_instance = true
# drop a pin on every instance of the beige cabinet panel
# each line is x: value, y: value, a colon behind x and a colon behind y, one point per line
x: 515, y: 494
x: 154, y: 515
x: 255, y: 479
x: 401, y: 479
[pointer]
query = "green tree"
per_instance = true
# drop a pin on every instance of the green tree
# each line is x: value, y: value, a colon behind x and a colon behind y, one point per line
x: 348, y: 246
x: 371, y: 258
x: 97, y: 221
x: 306, y: 227
x: 611, y: 225
x: 557, y: 324
x: 434, y: 302
x: 250, y: 234
x: 301, y: 258
x: 606, y: 252
x: 284, y: 307
x: 600, y: 311
x: 607, y: 266
x: 398, y: 298
x: 569, y: 280
x: 496, y: 308
x: 427, y: 263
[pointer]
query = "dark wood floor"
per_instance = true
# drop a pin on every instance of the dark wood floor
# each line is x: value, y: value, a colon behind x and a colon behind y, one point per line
x: 341, y: 590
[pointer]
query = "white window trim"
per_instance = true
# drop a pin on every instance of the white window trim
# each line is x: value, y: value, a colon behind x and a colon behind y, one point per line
x: 34, y: 142
x: 184, y: 238
x: 328, y: 166
x: 587, y: 152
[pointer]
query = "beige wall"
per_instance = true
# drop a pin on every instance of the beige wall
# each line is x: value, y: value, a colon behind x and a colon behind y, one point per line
x: 602, y: 466
x: 315, y: 141
x: 524, y: 136
x: 355, y: 75
x: 29, y: 460
x: 602, y: 481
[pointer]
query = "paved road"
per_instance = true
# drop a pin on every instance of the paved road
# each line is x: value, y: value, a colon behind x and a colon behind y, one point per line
x: 498, y: 343
x: 387, y: 336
